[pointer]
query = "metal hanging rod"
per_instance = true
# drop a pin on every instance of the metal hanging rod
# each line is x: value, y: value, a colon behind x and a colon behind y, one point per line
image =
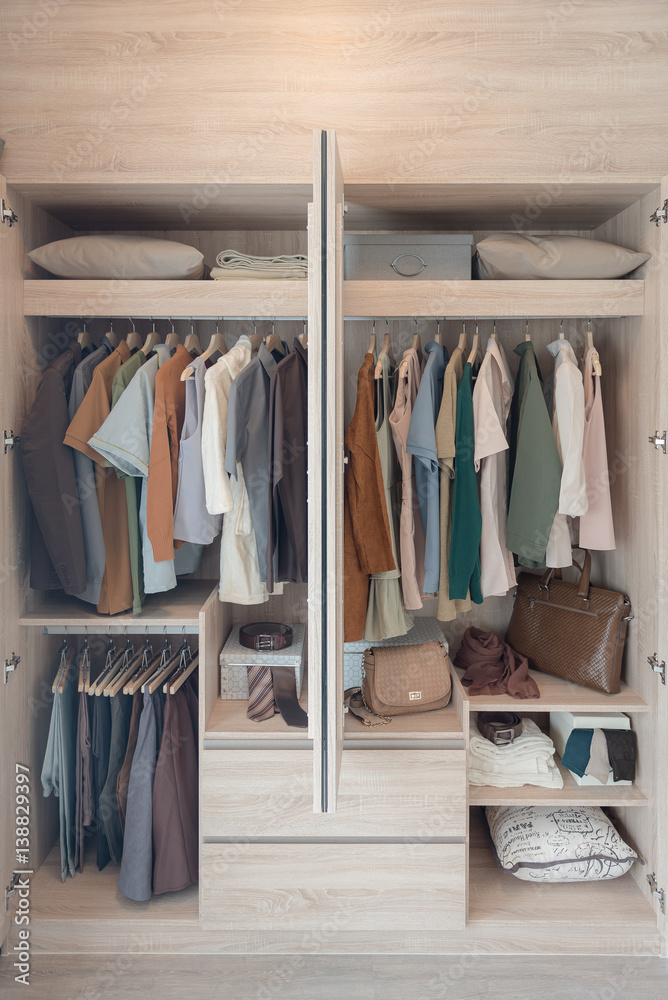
x: 110, y: 628
x: 479, y: 317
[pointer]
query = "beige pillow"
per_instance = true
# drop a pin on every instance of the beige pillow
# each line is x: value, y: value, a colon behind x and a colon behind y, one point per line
x: 516, y: 257
x: 119, y: 256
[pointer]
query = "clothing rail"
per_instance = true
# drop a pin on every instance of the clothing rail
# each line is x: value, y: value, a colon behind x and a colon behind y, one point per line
x: 107, y: 627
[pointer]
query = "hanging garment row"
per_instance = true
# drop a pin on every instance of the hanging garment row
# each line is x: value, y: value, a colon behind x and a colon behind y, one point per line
x: 137, y: 456
x: 123, y: 763
x: 484, y: 474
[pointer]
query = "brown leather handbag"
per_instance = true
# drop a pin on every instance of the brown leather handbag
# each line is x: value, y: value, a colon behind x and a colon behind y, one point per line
x: 571, y: 630
x: 401, y: 680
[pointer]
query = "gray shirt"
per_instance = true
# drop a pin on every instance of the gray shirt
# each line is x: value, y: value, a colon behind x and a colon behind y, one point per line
x: 248, y: 442
x: 84, y: 469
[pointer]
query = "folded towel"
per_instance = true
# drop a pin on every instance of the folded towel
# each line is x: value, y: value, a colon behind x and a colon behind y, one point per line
x: 247, y: 273
x: 527, y: 761
x: 293, y: 264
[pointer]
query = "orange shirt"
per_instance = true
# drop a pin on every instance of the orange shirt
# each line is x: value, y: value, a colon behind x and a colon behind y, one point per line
x: 116, y: 590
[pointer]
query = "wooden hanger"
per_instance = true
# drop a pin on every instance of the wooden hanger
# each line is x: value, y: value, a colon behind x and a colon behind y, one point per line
x: 152, y: 339
x: 83, y: 339
x: 527, y: 335
x: 181, y: 676
x: 112, y: 660
x: 118, y: 666
x: 216, y: 343
x: 595, y: 359
x: 111, y: 336
x: 303, y: 337
x: 273, y: 342
x: 386, y: 349
x: 437, y: 338
x: 561, y: 330
x: 137, y: 663
x: 475, y: 348
x: 192, y: 344
x: 172, y: 339
x: 417, y: 343
x: 153, y: 683
x: 66, y: 656
x: 133, y: 339
x: 493, y: 333
x: 84, y: 666
x: 463, y: 342
x: 144, y: 671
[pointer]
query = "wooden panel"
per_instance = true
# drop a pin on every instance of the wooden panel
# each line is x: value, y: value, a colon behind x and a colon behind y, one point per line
x: 416, y: 92
x: 123, y: 297
x: 441, y: 725
x: 493, y: 298
x: 228, y: 721
x: 382, y: 793
x: 330, y: 887
x: 571, y: 794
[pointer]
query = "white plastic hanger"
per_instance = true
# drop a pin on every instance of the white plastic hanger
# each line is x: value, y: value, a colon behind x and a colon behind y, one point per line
x: 133, y: 339
x: 172, y: 339
x: 152, y: 339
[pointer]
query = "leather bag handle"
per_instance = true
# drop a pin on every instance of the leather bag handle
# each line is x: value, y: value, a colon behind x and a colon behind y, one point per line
x: 583, y: 582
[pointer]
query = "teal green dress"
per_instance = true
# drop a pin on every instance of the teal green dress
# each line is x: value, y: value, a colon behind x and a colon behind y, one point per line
x: 466, y: 517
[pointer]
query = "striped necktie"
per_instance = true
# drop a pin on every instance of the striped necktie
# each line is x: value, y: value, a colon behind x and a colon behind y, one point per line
x: 260, y: 694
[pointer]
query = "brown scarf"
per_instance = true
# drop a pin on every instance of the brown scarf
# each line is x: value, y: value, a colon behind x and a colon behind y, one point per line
x: 494, y: 667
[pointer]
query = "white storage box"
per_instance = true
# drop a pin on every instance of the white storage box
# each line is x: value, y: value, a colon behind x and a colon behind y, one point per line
x: 407, y: 257
x: 562, y: 724
x: 424, y: 630
x: 234, y: 658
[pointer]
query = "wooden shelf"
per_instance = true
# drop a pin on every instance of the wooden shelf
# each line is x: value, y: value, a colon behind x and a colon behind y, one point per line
x: 63, y: 297
x: 228, y: 722
x: 494, y: 298
x: 497, y: 897
x: 440, y: 725
x: 174, y: 610
x: 556, y: 695
x: 571, y: 794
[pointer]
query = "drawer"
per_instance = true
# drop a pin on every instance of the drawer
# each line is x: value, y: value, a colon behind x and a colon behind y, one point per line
x: 344, y: 887
x: 391, y: 793
x: 415, y: 257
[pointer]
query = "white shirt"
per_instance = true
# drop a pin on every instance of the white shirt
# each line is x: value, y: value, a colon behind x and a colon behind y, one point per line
x: 568, y: 422
x: 492, y: 395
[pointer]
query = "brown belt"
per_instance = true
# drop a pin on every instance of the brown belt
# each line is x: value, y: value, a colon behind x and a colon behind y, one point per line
x: 265, y: 636
x: 500, y: 728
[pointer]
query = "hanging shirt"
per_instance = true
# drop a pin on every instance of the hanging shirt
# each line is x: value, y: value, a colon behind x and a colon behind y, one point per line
x: 58, y: 557
x: 445, y: 447
x: 568, y: 421
x: 248, y: 441
x: 492, y: 397
x: 536, y: 470
x: 596, y: 526
x: 84, y: 468
x: 59, y: 768
x: 466, y: 517
x: 116, y: 590
x: 287, y: 536
x: 411, y: 530
x: 421, y: 443
x: 192, y: 521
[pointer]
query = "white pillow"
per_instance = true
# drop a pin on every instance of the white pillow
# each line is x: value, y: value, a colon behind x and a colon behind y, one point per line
x: 119, y: 256
x: 558, y: 843
x: 516, y: 257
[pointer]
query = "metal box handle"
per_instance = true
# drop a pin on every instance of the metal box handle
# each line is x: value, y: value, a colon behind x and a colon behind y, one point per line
x: 408, y: 274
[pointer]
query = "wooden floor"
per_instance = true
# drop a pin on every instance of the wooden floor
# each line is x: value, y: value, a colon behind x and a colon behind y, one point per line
x: 294, y: 977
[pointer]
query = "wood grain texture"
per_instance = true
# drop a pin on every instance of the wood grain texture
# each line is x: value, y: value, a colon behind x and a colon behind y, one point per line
x: 382, y: 793
x: 571, y: 794
x: 464, y: 91
x: 324, y: 888
x: 228, y: 721
x: 443, y: 724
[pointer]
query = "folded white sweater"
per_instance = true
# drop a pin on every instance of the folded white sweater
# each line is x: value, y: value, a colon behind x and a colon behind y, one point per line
x: 527, y: 761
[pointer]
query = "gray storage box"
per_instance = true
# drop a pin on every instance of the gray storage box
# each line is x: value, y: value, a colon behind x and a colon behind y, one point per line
x: 234, y: 658
x: 416, y: 256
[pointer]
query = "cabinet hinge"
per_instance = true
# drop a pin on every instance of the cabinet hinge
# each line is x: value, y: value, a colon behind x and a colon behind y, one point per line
x: 658, y: 668
x: 11, y: 888
x: 659, y: 442
x: 10, y: 665
x: 9, y: 440
x: 656, y: 891
x: 7, y: 214
x: 660, y: 215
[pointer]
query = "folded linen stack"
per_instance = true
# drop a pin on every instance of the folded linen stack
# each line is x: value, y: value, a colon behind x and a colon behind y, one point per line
x: 529, y: 760
x: 235, y: 265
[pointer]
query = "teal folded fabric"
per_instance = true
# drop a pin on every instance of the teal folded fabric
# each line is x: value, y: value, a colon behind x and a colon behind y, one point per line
x: 578, y: 750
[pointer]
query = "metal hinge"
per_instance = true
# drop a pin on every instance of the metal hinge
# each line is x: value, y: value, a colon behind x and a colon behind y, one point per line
x: 10, y: 665
x: 660, y: 215
x: 7, y: 214
x: 656, y: 891
x: 9, y: 440
x: 659, y: 442
x: 11, y: 888
x: 658, y: 668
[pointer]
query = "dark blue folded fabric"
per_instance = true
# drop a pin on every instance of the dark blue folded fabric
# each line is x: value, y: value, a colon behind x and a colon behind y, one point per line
x: 578, y: 750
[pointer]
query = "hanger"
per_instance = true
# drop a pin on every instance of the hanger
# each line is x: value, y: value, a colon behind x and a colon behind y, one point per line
x: 152, y: 339
x: 83, y: 338
x: 112, y: 659
x: 172, y: 339
x: 303, y: 337
x: 191, y: 343
x: 143, y: 672
x: 417, y: 343
x: 527, y: 335
x: 255, y: 337
x: 128, y: 664
x: 273, y: 342
x: 164, y: 671
x: 493, y: 333
x: 66, y: 656
x: 84, y: 666
x: 438, y: 338
x: 138, y: 662
x: 595, y: 359
x: 133, y: 339
x: 475, y: 347
x: 463, y: 342
x: 119, y: 664
x: 561, y: 330
x: 216, y: 343
x: 111, y: 336
x: 180, y: 677
x: 371, y: 349
x: 386, y: 349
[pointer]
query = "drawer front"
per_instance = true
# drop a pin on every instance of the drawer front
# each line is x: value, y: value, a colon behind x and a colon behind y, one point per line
x: 407, y: 263
x: 344, y: 887
x: 391, y: 793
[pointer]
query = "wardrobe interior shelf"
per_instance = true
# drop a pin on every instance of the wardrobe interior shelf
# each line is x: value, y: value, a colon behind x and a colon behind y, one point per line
x: 571, y: 794
x: 440, y: 725
x: 172, y: 611
x: 228, y: 721
x: 556, y: 695
x: 202, y: 299
x: 497, y: 897
x: 620, y: 297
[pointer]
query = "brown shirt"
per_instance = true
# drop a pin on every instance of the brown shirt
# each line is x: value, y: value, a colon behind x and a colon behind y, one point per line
x: 367, y: 541
x: 116, y: 590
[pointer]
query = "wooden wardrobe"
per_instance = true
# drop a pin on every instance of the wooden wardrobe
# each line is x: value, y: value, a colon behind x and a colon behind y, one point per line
x: 341, y: 839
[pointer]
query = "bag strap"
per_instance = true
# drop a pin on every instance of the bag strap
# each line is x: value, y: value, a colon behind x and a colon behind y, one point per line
x: 354, y: 702
x: 583, y: 582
